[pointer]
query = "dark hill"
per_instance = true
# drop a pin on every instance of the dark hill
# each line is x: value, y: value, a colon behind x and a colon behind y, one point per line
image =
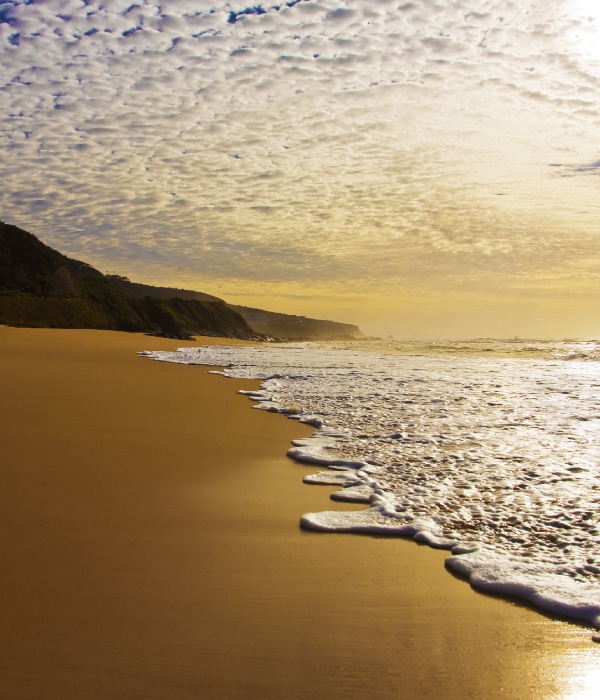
x: 40, y: 287
x: 293, y: 327
x: 267, y: 323
x: 141, y: 291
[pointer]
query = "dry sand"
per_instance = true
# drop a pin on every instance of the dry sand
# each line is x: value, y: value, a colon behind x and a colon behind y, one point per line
x: 151, y: 549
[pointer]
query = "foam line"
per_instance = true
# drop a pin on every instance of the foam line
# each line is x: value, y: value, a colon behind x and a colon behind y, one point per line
x: 495, y: 456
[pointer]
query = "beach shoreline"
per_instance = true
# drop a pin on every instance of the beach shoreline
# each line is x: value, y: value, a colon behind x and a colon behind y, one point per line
x: 150, y: 531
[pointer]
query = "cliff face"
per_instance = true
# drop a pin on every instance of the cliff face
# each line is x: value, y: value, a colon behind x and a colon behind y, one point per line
x: 296, y: 327
x: 40, y: 287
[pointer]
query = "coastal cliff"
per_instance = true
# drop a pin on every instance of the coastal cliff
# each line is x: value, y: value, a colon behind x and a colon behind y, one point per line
x: 267, y: 323
x: 40, y: 287
x: 296, y: 327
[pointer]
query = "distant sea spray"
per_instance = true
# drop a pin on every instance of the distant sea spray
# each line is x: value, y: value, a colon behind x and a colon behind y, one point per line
x: 488, y: 449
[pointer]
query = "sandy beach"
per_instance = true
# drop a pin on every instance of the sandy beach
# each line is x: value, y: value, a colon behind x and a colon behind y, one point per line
x: 151, y: 550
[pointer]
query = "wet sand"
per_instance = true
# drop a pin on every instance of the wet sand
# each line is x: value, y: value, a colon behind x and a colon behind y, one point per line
x: 151, y: 549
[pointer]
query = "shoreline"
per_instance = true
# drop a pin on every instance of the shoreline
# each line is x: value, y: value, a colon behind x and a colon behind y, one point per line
x: 152, y: 550
x: 339, y: 451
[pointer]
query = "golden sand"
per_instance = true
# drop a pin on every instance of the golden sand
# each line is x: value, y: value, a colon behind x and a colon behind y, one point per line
x: 151, y: 549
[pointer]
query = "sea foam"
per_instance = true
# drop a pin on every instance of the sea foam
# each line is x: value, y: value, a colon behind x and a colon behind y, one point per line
x: 496, y: 458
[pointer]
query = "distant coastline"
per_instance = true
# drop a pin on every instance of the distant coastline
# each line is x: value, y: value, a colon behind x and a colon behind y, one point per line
x: 42, y: 288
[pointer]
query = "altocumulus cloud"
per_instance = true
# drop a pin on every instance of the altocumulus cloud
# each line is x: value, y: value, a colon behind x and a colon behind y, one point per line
x: 304, y: 140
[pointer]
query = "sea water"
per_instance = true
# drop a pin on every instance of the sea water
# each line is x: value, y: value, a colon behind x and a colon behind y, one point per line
x: 488, y: 449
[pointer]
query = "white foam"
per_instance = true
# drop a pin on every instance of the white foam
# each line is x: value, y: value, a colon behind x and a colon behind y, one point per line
x: 354, y: 494
x: 493, y: 457
x: 323, y: 450
x: 551, y: 592
x: 435, y: 541
x: 337, y: 478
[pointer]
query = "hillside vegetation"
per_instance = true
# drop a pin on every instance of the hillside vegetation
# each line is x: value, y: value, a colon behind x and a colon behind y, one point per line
x: 40, y: 287
x: 267, y: 323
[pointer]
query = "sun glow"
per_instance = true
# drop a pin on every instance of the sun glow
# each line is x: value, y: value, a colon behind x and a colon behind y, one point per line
x: 586, y: 32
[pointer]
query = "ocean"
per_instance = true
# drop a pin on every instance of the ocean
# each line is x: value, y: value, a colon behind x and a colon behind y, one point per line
x: 489, y: 449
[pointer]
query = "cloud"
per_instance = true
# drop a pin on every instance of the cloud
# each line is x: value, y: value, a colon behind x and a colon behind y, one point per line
x: 302, y: 141
x: 589, y: 168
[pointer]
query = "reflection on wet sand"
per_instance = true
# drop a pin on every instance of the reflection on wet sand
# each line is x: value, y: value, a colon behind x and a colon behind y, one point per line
x: 151, y: 549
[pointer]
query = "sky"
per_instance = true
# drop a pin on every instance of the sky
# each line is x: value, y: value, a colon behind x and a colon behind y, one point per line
x: 422, y: 168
